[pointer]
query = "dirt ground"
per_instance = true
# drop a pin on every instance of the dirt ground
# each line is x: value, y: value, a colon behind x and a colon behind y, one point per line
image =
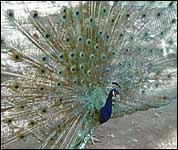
x: 152, y: 129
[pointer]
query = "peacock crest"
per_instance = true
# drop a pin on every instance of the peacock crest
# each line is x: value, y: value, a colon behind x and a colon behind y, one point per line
x: 58, y: 63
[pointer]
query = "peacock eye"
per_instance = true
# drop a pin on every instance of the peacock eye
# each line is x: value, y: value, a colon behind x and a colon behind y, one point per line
x: 158, y: 14
x: 81, y: 54
x: 77, y: 13
x: 17, y: 57
x: 64, y: 9
x: 31, y: 123
x: 131, y: 38
x: 121, y: 35
x: 88, y: 42
x: 169, y: 76
x: 47, y: 35
x: 91, y: 56
x: 10, y: 13
x: 104, y: 11
x: 170, y: 4
x: 91, y: 20
x: 82, y: 81
x: 34, y: 14
x: 42, y: 71
x: 80, y: 39
x: 67, y: 40
x: 43, y: 110
x: 173, y: 21
x: 21, y: 136
x: 44, y: 58
x: 22, y: 106
x: 64, y: 17
x: 74, y: 81
x: 103, y: 57
x: 58, y: 84
x: 107, y: 37
x: 146, y: 34
x: 143, y: 16
x: 96, y: 47
x: 97, y: 67
x: 107, y: 70
x: 89, y: 73
x: 16, y: 86
x: 60, y: 72
x: 71, y: 55
x: 72, y: 69
x: 127, y: 15
x: 113, y: 53
x: 61, y: 56
x: 9, y: 121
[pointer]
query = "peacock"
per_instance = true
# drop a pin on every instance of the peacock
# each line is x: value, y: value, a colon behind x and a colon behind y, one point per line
x: 68, y: 67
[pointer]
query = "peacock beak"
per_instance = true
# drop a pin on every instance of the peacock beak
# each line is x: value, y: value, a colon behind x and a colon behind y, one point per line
x: 116, y: 93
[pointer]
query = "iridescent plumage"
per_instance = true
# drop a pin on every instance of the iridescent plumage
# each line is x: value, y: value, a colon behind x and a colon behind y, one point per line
x: 58, y: 65
x: 106, y: 111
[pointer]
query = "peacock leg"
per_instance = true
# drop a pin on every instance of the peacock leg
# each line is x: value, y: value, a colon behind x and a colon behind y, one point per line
x: 94, y: 139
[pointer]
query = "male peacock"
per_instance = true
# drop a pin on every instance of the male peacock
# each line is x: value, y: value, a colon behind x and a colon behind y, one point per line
x: 62, y: 67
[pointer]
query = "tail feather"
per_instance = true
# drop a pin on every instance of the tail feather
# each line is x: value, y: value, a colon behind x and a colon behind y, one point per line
x: 58, y: 63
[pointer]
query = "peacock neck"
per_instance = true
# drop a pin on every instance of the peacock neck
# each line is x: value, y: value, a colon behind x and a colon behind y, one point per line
x: 109, y: 101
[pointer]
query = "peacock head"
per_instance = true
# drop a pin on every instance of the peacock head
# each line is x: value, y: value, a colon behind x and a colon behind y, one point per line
x: 114, y: 92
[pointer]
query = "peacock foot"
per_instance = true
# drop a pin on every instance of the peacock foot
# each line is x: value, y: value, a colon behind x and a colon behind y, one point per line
x: 94, y: 140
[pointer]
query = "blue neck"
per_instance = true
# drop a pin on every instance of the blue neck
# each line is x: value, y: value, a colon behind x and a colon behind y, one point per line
x: 109, y: 101
x: 106, y: 111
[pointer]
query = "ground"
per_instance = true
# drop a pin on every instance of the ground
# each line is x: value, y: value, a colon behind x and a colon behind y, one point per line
x: 152, y: 129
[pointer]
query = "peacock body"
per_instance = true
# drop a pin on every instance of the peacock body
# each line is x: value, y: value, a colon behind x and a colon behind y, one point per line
x: 58, y: 65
